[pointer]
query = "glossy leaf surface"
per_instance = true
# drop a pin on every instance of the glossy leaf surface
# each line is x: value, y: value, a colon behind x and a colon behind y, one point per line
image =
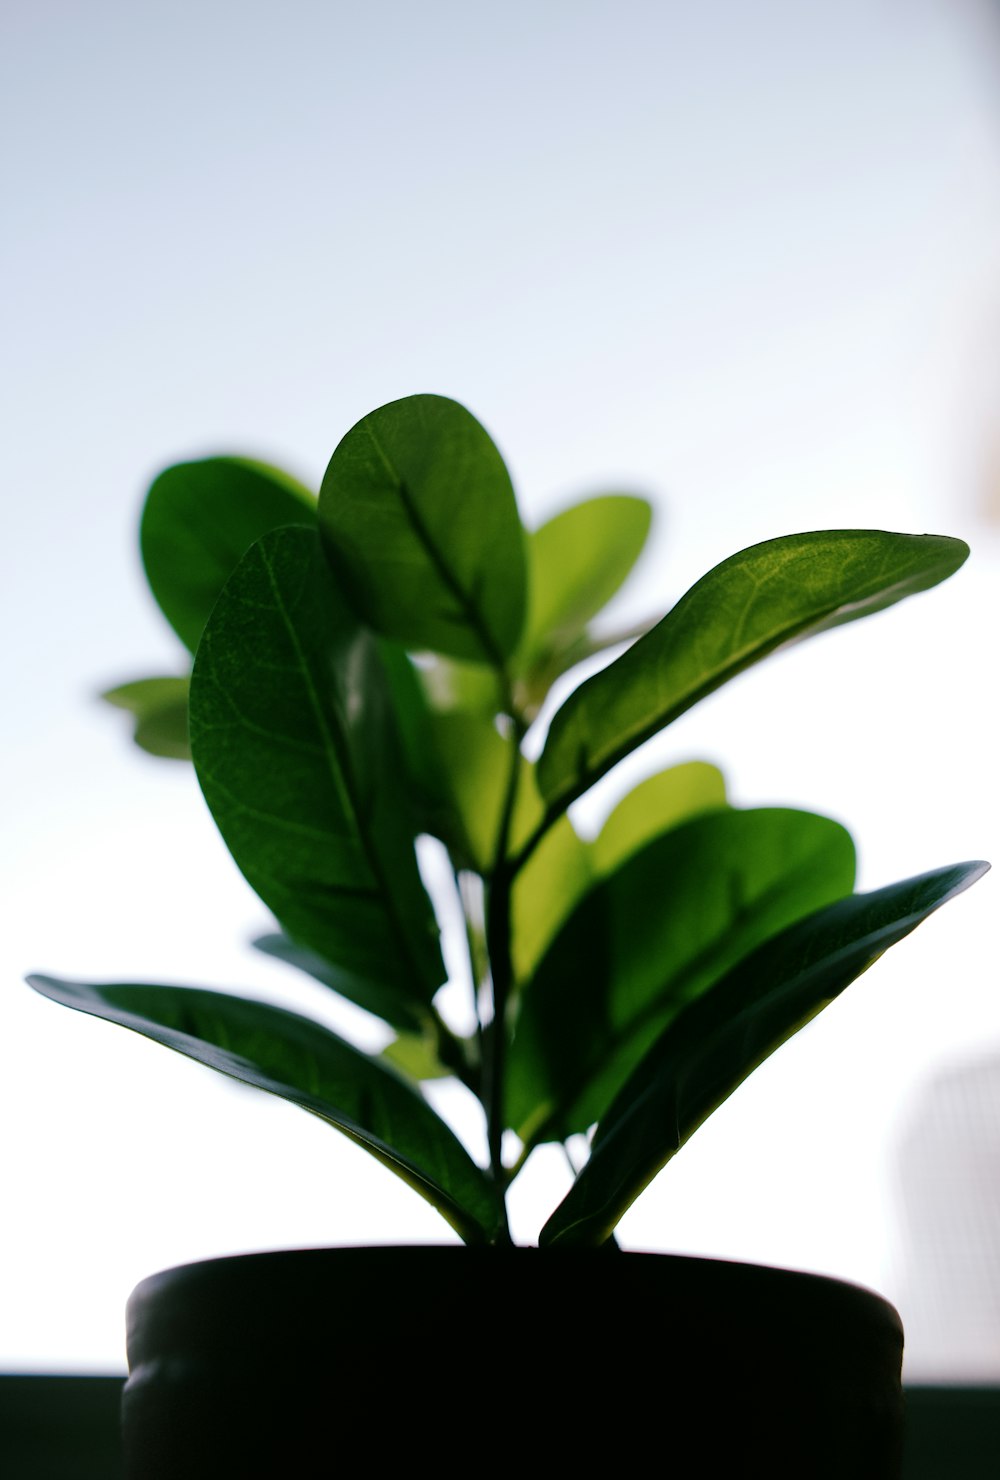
x: 297, y: 754
x: 650, y: 938
x: 420, y: 522
x: 199, y: 520
x: 720, y: 1039
x: 159, y: 707
x: 752, y: 604
x: 301, y: 1061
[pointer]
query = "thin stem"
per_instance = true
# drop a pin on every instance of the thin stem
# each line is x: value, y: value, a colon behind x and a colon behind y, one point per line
x: 498, y: 927
x: 498, y: 941
x: 516, y: 864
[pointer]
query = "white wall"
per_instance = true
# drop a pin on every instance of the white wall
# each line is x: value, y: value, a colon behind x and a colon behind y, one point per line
x: 744, y: 258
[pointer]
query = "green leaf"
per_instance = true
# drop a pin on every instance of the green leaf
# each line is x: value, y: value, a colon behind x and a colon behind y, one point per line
x: 562, y: 868
x: 651, y: 937
x: 199, y: 519
x: 160, y: 709
x: 752, y: 604
x: 415, y: 1056
x: 720, y: 1039
x: 427, y: 786
x: 475, y: 763
x: 459, y: 765
x: 301, y: 1061
x: 576, y: 562
x: 657, y: 804
x: 420, y: 522
x: 557, y: 875
x: 297, y: 754
x: 449, y: 685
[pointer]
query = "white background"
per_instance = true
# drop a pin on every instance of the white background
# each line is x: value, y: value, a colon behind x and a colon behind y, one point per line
x: 744, y: 258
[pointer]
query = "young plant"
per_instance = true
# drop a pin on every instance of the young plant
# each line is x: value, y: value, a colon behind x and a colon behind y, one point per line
x: 367, y: 668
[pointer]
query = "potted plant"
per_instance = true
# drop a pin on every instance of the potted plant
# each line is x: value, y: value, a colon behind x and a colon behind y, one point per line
x: 372, y: 667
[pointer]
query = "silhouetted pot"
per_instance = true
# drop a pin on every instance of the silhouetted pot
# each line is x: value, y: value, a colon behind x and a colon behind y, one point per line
x: 326, y: 1361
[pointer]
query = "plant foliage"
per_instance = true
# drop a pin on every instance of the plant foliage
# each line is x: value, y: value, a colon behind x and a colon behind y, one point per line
x: 367, y: 669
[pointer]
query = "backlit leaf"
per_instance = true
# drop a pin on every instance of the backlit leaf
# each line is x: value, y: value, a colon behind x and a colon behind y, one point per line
x: 749, y: 606
x: 576, y: 562
x: 650, y: 938
x: 159, y: 707
x: 420, y: 522
x: 297, y: 754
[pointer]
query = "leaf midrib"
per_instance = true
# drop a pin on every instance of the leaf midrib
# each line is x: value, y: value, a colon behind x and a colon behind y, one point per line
x: 341, y: 771
x: 470, y: 611
x: 586, y: 778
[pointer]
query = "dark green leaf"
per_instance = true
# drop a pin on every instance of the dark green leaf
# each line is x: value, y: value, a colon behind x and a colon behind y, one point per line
x: 303, y: 1062
x: 199, y: 519
x: 750, y: 605
x: 420, y: 522
x: 426, y: 783
x: 651, y: 937
x: 720, y: 1039
x: 160, y: 709
x: 297, y: 754
x: 576, y: 563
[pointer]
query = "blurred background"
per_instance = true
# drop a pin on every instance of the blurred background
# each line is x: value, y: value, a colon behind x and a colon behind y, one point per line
x: 743, y: 259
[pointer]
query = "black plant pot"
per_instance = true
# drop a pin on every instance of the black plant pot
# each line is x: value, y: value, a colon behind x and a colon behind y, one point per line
x: 339, y: 1360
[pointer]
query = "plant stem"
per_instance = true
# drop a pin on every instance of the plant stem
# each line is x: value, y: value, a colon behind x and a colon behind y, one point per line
x: 498, y: 937
x: 498, y: 924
